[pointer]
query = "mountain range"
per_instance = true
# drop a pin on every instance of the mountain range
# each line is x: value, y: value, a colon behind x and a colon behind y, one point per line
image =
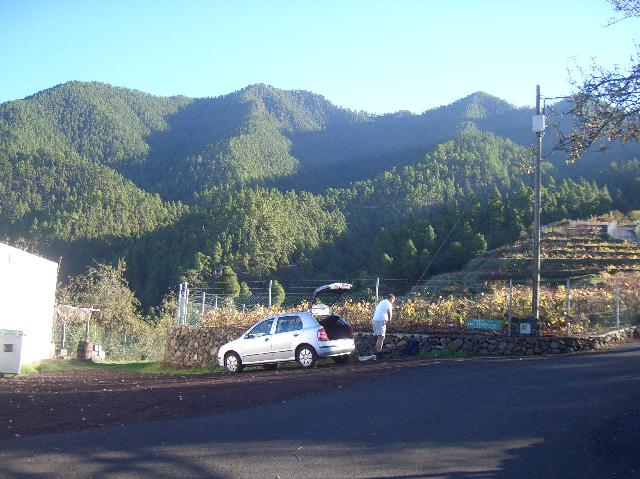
x: 274, y: 182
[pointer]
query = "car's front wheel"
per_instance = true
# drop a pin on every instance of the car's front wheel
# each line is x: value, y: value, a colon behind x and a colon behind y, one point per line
x: 232, y: 363
x: 306, y: 356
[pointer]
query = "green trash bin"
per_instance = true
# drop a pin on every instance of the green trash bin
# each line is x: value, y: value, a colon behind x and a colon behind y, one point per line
x: 10, y: 351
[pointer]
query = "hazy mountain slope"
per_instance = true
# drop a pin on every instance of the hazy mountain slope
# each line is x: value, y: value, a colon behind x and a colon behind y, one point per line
x: 341, y: 154
x: 177, y: 146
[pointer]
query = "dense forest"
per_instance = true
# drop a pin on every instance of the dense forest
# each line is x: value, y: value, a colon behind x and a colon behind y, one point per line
x: 279, y: 184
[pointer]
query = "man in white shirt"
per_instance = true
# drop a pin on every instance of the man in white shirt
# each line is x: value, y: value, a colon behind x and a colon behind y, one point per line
x: 381, y: 317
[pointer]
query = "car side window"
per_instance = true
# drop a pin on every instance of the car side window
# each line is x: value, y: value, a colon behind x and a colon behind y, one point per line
x: 263, y: 328
x: 289, y: 323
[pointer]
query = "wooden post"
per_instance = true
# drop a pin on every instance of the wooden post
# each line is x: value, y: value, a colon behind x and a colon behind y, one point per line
x: 86, y: 328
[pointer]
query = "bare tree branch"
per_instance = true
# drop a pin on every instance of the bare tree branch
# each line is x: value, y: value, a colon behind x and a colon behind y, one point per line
x: 628, y: 9
x: 604, y: 107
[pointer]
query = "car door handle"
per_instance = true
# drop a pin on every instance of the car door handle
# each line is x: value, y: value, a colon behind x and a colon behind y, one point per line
x: 266, y: 339
x: 297, y: 334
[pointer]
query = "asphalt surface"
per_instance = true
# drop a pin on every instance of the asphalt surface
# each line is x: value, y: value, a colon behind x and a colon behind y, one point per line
x: 573, y: 416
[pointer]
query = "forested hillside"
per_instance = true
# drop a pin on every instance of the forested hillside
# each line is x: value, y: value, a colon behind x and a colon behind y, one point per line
x: 278, y: 183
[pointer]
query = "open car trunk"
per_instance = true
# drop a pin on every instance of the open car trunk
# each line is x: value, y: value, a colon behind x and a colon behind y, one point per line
x: 323, y: 298
x: 336, y: 327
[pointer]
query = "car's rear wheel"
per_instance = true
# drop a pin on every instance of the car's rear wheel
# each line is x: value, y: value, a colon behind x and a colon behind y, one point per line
x: 270, y: 366
x: 306, y: 356
x: 233, y: 363
x: 341, y: 359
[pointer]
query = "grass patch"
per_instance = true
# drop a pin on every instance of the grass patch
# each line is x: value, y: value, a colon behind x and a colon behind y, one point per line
x: 143, y: 367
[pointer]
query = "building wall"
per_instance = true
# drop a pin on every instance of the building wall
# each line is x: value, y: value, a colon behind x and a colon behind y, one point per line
x: 27, y: 298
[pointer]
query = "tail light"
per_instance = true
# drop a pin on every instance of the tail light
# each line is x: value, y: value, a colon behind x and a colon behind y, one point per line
x: 322, y: 335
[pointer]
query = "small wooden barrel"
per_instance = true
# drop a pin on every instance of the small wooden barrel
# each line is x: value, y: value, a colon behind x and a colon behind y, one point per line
x: 85, y: 350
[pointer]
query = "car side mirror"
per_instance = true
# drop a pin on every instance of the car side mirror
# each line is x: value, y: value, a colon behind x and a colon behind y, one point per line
x: 249, y: 336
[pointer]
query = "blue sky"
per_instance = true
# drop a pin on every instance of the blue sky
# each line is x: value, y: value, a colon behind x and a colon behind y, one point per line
x: 378, y: 56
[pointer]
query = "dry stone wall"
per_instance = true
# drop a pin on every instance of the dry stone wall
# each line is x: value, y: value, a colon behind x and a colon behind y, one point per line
x: 197, y: 346
x: 480, y: 345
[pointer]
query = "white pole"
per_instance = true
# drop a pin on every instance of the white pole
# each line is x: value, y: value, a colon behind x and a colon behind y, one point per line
x: 64, y: 333
x: 203, y: 299
x: 377, y: 288
x: 618, y: 307
x: 270, y: 285
x: 510, y: 304
x: 216, y: 302
x: 568, y: 319
x: 180, y: 305
x: 186, y: 301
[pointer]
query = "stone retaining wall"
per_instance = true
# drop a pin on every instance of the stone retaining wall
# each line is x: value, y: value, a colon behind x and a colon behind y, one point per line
x: 480, y: 345
x: 195, y: 346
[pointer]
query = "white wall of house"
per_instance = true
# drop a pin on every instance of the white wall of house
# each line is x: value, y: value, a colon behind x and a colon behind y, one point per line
x: 27, y: 299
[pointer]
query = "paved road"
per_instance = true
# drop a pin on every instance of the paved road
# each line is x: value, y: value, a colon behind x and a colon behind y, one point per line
x: 565, y: 417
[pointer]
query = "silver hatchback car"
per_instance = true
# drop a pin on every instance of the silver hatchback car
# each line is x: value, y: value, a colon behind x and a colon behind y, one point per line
x: 302, y: 336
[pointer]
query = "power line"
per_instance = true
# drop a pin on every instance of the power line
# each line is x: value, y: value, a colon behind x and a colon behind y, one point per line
x: 464, y: 210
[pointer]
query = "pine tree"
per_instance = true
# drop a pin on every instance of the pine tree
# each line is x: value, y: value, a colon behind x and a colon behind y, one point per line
x: 409, y: 259
x: 386, y: 263
x: 229, y: 282
x: 245, y: 291
x: 277, y: 294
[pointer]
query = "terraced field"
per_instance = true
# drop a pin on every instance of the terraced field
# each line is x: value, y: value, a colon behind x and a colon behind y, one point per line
x: 573, y: 250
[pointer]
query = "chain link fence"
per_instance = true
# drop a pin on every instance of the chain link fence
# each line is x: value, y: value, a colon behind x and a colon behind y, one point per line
x: 196, y: 303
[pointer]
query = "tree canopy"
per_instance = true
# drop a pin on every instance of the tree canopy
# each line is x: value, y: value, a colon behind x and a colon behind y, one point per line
x: 605, y: 105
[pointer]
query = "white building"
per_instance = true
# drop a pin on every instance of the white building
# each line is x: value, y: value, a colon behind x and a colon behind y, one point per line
x: 27, y: 299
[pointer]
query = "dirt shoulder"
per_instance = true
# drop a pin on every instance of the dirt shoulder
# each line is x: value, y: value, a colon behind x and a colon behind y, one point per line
x: 43, y: 403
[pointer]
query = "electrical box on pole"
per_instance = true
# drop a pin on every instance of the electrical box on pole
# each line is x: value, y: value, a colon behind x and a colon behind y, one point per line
x: 539, y: 123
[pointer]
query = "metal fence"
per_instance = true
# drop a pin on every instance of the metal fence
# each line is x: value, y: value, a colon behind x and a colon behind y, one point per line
x: 194, y: 302
x: 571, y: 306
x: 567, y: 307
x: 116, y: 345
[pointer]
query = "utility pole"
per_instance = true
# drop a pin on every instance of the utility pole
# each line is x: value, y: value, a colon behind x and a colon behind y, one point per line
x: 538, y: 128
